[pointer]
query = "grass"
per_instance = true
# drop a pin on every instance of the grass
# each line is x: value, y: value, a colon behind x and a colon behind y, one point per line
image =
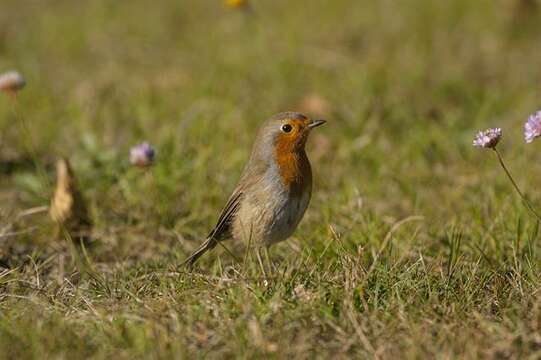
x: 414, y: 244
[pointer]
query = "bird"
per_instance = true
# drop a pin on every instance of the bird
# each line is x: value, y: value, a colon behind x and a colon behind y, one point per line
x: 274, y: 189
x: 68, y: 208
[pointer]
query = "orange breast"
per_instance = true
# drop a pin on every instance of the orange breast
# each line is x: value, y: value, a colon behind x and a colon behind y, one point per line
x: 293, y: 167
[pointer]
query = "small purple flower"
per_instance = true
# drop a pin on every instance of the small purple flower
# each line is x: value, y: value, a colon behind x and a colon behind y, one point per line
x: 488, y: 139
x: 11, y: 81
x: 532, y: 128
x: 142, y: 155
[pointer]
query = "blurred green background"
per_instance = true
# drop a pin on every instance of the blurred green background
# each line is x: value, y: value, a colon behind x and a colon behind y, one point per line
x: 404, y: 86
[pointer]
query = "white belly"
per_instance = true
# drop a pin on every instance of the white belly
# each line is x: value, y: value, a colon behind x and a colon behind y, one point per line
x: 270, y: 215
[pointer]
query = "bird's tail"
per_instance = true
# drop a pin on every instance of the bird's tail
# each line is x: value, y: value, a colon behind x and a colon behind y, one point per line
x: 209, y: 244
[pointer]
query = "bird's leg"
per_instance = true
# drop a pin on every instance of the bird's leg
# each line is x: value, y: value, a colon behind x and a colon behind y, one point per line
x: 258, y: 254
x: 268, y: 260
x: 60, y: 271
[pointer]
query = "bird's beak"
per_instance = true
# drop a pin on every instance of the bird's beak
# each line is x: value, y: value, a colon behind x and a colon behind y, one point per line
x: 316, y: 123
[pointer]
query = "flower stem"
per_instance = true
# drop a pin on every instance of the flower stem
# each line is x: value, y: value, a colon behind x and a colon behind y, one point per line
x: 527, y: 204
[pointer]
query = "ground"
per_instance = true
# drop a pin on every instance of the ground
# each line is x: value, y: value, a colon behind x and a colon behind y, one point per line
x: 415, y: 244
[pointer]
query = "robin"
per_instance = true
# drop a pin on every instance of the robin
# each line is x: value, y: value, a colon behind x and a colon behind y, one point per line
x: 274, y: 190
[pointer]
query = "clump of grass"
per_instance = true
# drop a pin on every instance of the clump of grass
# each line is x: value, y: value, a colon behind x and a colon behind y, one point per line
x: 405, y: 84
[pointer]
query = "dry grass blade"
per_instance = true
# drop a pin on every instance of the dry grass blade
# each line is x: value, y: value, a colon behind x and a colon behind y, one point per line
x: 388, y: 237
x: 68, y: 208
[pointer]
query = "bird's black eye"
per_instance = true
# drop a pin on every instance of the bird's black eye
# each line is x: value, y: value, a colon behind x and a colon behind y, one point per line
x: 287, y: 128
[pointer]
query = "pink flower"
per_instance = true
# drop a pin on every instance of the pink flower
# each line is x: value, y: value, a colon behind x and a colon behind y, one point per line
x: 488, y: 139
x: 142, y: 155
x: 532, y: 127
x: 11, y: 81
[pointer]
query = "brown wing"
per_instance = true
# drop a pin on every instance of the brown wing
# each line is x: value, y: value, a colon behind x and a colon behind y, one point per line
x: 250, y: 175
x: 221, y: 231
x: 223, y: 226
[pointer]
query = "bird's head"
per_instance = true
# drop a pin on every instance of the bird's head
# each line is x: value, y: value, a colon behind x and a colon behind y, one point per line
x: 285, y: 133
